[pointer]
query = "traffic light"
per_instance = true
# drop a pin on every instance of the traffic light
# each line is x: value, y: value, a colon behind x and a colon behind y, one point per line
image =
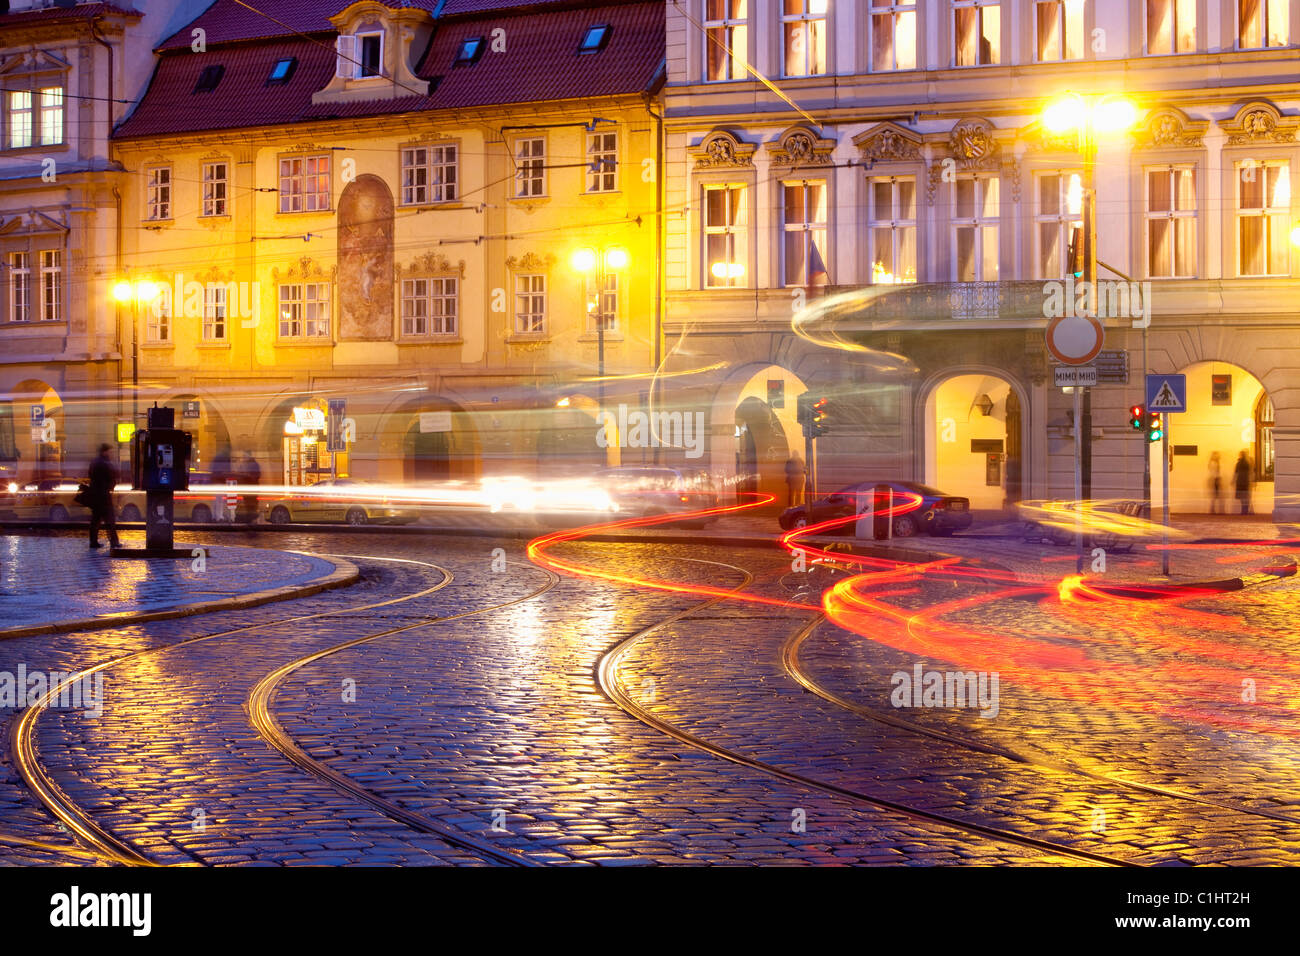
x: 820, y: 423
x: 1155, y: 427
x: 804, y: 414
x: 1081, y: 244
x: 1137, y: 418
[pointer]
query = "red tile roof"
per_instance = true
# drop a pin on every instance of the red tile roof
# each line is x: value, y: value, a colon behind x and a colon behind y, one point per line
x: 541, y: 62
x: 82, y: 11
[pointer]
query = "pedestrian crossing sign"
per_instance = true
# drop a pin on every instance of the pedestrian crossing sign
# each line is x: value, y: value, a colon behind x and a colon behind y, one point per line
x: 1167, y: 393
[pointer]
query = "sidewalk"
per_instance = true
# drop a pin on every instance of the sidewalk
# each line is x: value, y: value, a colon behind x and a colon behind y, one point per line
x: 50, y: 584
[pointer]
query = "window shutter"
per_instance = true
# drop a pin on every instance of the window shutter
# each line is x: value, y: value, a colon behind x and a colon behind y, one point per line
x: 346, y: 61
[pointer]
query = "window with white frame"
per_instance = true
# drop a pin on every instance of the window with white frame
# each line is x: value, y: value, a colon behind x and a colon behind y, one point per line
x: 1171, y: 26
x: 1058, y: 213
x: 305, y: 310
x: 602, y: 302
x: 530, y: 167
x: 1171, y: 222
x: 726, y: 228
x: 602, y: 162
x: 158, y: 192
x: 530, y: 303
x: 892, y: 25
x: 891, y: 229
x: 51, y: 115
x: 19, y: 108
x: 216, y: 183
x: 370, y: 47
x: 214, y: 312
x: 20, y: 287
x: 803, y: 220
x: 1263, y: 218
x: 305, y: 183
x: 158, y: 318
x: 975, y: 229
x: 51, y: 285
x: 1059, y: 25
x: 429, y: 174
x: 429, y: 305
x: 1262, y: 23
x: 977, y: 32
x: 726, y: 39
x: 803, y: 25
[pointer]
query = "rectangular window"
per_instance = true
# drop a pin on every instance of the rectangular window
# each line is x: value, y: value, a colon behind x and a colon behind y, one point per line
x: 893, y: 35
x: 429, y: 306
x: 215, y: 184
x: 804, y: 250
x: 1060, y: 29
x: 158, y: 317
x: 726, y: 224
x: 214, y: 312
x: 1263, y: 218
x: 975, y: 229
x: 305, y: 183
x: 20, y: 119
x: 602, y: 162
x: 1171, y: 222
x: 158, y: 185
x: 1059, y: 213
x: 1171, y: 26
x: 51, y: 285
x: 429, y: 175
x: 726, y: 39
x: 804, y: 26
x: 20, y: 287
x: 891, y: 229
x: 530, y: 163
x: 52, y: 115
x: 305, y: 310
x: 602, y: 303
x: 530, y: 303
x: 345, y: 56
x: 372, y: 54
x: 1262, y: 23
x: 977, y: 32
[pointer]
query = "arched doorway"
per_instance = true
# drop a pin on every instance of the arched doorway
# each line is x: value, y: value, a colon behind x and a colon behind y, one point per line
x: 30, y: 448
x: 762, y: 449
x: 439, y: 444
x: 568, y: 439
x: 1228, y: 412
x: 212, y: 438
x: 975, y: 440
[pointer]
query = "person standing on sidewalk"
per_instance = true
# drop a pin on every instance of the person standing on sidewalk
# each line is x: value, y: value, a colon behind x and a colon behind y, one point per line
x: 1241, y: 477
x: 1216, y: 485
x: 795, y: 475
x: 103, y: 479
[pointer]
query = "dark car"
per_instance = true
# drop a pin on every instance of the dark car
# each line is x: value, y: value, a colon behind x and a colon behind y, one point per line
x: 938, y: 513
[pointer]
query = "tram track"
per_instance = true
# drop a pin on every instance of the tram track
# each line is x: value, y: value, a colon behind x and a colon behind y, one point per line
x: 607, y: 677
x: 107, y: 846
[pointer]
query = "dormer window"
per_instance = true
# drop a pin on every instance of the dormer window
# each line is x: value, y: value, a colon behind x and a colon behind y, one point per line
x: 209, y: 78
x: 360, y: 55
x: 282, y: 72
x: 372, y: 53
x: 471, y: 49
x: 594, y: 40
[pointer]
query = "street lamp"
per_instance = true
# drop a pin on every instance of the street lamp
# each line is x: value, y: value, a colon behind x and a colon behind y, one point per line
x: 141, y: 290
x: 1089, y: 116
x: 598, y: 269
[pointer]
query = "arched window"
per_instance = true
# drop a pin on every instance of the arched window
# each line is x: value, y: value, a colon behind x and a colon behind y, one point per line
x: 1264, y: 450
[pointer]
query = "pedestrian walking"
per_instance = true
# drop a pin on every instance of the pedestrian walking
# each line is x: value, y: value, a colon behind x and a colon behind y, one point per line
x: 99, y: 498
x: 795, y: 476
x: 1216, y: 485
x: 1241, y: 476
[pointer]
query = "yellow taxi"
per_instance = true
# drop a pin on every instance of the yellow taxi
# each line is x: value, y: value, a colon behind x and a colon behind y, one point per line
x: 353, y: 500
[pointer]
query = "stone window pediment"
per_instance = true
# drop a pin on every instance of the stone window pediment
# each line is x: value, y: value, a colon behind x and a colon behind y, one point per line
x: 721, y: 149
x: 800, y: 146
x: 889, y: 143
x: 1259, y: 123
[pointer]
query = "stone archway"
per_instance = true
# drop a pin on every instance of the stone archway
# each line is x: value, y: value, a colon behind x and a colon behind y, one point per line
x: 974, y: 432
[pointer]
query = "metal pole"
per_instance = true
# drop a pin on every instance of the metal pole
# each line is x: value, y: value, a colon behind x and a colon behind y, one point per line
x: 1082, y: 421
x: 1164, y: 448
x: 1078, y: 477
x: 1146, y: 445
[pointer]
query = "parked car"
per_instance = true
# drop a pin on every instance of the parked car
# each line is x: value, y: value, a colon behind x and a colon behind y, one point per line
x: 354, y: 500
x: 641, y: 491
x: 938, y: 514
x: 45, y: 499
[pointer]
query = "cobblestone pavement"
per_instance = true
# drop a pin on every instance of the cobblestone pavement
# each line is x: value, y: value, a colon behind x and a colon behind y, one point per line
x: 493, y: 726
x: 45, y: 579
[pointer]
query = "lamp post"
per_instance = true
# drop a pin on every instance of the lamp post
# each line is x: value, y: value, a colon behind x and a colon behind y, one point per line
x: 1087, y: 117
x: 597, y: 269
x: 141, y: 290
